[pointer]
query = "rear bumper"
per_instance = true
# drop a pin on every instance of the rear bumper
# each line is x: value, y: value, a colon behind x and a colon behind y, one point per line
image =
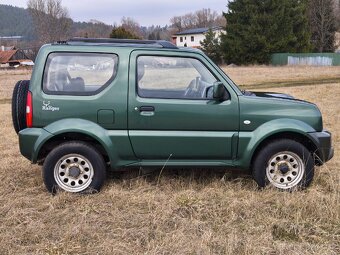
x: 323, y: 141
x: 30, y: 142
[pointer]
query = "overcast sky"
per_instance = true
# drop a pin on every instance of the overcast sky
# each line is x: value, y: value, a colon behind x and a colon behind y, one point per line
x: 146, y: 12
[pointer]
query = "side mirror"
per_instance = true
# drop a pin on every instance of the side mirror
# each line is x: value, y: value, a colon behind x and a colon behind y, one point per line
x: 219, y: 91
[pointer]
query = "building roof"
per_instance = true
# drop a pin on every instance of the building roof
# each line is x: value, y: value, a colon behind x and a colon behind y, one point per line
x: 19, y: 60
x: 9, y: 47
x: 15, y: 37
x: 5, y: 56
x: 200, y: 30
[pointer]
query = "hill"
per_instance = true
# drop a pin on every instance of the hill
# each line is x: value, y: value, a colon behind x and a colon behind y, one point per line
x: 15, y: 21
x: 18, y: 21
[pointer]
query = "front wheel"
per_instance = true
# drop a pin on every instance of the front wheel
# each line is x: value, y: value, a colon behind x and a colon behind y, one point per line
x: 284, y: 164
x: 74, y: 167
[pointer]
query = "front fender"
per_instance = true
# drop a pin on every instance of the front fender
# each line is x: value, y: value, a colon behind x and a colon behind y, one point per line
x: 250, y: 140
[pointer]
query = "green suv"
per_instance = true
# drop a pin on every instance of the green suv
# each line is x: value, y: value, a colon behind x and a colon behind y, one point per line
x: 98, y: 104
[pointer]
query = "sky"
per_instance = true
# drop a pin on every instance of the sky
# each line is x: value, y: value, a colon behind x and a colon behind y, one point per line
x: 145, y: 12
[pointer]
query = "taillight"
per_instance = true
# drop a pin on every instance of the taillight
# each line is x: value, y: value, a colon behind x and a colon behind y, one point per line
x: 29, y: 110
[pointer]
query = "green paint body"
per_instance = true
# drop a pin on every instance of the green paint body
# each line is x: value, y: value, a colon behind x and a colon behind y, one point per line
x: 182, y: 132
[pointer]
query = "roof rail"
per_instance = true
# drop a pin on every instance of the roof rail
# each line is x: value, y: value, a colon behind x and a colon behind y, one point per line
x: 121, y: 42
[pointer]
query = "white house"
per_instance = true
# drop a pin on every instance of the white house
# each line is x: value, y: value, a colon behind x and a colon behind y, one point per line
x: 193, y: 37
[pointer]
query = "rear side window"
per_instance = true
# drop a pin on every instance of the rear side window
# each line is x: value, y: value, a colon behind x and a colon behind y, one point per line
x: 79, y: 73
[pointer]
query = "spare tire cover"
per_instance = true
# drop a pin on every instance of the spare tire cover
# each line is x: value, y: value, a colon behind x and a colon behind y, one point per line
x: 19, y: 105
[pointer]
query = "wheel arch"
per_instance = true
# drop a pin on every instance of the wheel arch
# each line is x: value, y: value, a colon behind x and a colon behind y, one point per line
x: 304, y: 139
x: 78, y: 130
x: 54, y: 141
x: 250, y: 143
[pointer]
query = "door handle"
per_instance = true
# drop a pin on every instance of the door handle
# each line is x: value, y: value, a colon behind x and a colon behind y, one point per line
x: 146, y: 109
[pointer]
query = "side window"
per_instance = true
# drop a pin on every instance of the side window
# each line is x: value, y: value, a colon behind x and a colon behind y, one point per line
x: 79, y: 73
x: 173, y: 77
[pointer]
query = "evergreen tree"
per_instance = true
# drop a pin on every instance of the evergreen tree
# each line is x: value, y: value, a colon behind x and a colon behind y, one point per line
x: 258, y: 28
x: 122, y: 33
x: 211, y: 46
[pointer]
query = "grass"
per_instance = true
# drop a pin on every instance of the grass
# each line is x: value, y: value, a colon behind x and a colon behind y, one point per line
x: 189, y: 211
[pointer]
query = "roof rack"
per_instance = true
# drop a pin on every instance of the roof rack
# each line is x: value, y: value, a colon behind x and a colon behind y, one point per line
x: 119, y: 42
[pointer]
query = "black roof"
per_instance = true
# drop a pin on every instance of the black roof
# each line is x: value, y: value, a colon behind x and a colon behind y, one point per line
x: 118, y: 42
x: 200, y: 30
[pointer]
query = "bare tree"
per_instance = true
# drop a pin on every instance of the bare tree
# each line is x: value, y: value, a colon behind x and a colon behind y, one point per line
x: 132, y: 26
x: 337, y: 13
x: 177, y: 23
x: 189, y: 20
x: 208, y: 18
x: 93, y: 30
x: 322, y: 21
x: 200, y: 18
x: 51, y: 20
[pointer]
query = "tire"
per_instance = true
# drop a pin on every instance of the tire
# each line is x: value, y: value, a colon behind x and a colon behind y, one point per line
x: 74, y: 167
x: 19, y: 98
x: 284, y: 164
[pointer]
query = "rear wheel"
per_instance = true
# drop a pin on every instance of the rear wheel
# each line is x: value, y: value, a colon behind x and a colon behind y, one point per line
x: 74, y: 167
x: 19, y: 98
x: 284, y: 164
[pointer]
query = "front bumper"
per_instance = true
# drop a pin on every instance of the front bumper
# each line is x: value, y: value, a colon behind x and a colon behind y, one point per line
x: 323, y: 142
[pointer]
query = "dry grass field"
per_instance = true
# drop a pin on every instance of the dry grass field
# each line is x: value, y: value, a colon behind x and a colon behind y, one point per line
x: 183, y: 211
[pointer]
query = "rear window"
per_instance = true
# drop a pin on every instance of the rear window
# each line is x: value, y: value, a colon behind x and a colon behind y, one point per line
x: 79, y: 73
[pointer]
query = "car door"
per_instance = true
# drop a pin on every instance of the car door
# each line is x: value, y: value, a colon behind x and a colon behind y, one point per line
x: 171, y: 112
